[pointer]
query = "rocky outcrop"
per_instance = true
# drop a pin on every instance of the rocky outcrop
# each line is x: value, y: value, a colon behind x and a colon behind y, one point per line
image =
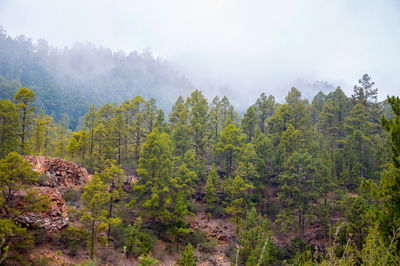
x: 221, y: 230
x: 52, y: 219
x: 61, y: 174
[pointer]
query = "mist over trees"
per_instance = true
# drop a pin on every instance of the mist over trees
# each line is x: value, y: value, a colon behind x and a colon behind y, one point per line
x: 168, y: 174
x: 68, y: 80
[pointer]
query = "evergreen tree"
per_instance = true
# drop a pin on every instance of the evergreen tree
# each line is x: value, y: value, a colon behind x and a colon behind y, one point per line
x: 8, y: 127
x: 94, y: 211
x: 237, y: 190
x: 255, y: 239
x: 179, y: 119
x: 249, y: 122
x: 215, y: 119
x: 210, y: 190
x: 41, y: 129
x: 16, y: 174
x: 24, y: 99
x: 112, y: 176
x: 78, y: 144
x: 365, y: 92
x: 188, y: 257
x: 161, y: 195
x: 265, y: 109
x: 199, y: 122
x: 136, y: 242
x: 90, y: 124
x: 230, y: 145
x: 298, y: 186
x: 150, y: 115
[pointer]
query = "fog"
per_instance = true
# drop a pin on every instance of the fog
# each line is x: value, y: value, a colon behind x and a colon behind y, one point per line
x: 232, y: 47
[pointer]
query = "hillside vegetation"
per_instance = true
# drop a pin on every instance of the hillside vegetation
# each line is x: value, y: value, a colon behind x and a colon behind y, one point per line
x: 297, y: 183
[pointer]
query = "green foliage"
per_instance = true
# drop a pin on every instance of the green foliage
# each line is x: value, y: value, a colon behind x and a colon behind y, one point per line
x: 147, y: 260
x: 198, y: 107
x: 136, y: 241
x: 230, y: 145
x: 298, y: 186
x: 237, y: 189
x: 9, y: 122
x: 24, y: 99
x: 15, y: 174
x: 265, y: 109
x: 94, y: 213
x: 255, y: 238
x: 12, y: 238
x: 187, y: 257
x: 72, y: 196
x: 210, y: 190
x: 73, y: 238
x: 162, y: 195
x: 393, y: 127
x: 179, y: 119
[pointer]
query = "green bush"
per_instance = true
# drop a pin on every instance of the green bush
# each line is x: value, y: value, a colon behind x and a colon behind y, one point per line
x: 73, y: 238
x: 147, y: 260
x: 41, y: 261
x: 72, y: 196
x: 42, y: 179
x: 40, y: 236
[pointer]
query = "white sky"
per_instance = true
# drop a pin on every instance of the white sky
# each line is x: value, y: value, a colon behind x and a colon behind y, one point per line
x: 237, y: 47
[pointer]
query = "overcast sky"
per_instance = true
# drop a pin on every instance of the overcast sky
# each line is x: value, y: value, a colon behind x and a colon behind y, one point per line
x: 236, y: 47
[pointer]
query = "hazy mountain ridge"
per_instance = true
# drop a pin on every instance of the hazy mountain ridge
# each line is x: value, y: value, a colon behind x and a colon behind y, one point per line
x: 69, y: 80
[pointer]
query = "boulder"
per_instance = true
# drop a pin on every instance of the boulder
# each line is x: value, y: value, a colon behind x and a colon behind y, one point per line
x: 61, y: 174
x: 52, y: 219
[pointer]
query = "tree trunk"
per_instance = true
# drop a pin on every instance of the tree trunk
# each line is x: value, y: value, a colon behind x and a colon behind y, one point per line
x: 92, y: 240
x: 110, y: 210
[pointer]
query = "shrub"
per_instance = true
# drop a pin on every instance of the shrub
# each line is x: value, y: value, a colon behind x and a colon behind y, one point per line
x: 40, y: 236
x: 72, y: 196
x: 73, y: 238
x: 41, y: 261
x: 147, y: 260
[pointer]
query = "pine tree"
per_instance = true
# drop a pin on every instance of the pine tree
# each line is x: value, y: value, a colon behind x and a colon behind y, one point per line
x: 298, y: 186
x: 153, y: 191
x: 8, y: 127
x: 265, y: 109
x: 265, y: 156
x: 136, y: 242
x: 90, y: 121
x: 210, y: 190
x: 150, y: 115
x: 255, y: 239
x: 24, y: 99
x: 365, y: 92
x: 78, y: 144
x: 16, y: 174
x: 388, y: 191
x: 94, y: 211
x: 188, y: 257
x: 237, y: 190
x: 230, y: 145
x: 199, y: 122
x: 249, y: 122
x: 179, y: 119
x: 215, y: 119
x: 40, y: 138
x: 112, y: 176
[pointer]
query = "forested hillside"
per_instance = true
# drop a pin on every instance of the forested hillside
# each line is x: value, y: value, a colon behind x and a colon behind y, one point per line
x: 294, y: 183
x: 67, y: 81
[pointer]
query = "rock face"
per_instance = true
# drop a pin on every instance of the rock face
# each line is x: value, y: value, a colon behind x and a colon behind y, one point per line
x: 61, y: 174
x: 223, y: 231
x: 54, y: 218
